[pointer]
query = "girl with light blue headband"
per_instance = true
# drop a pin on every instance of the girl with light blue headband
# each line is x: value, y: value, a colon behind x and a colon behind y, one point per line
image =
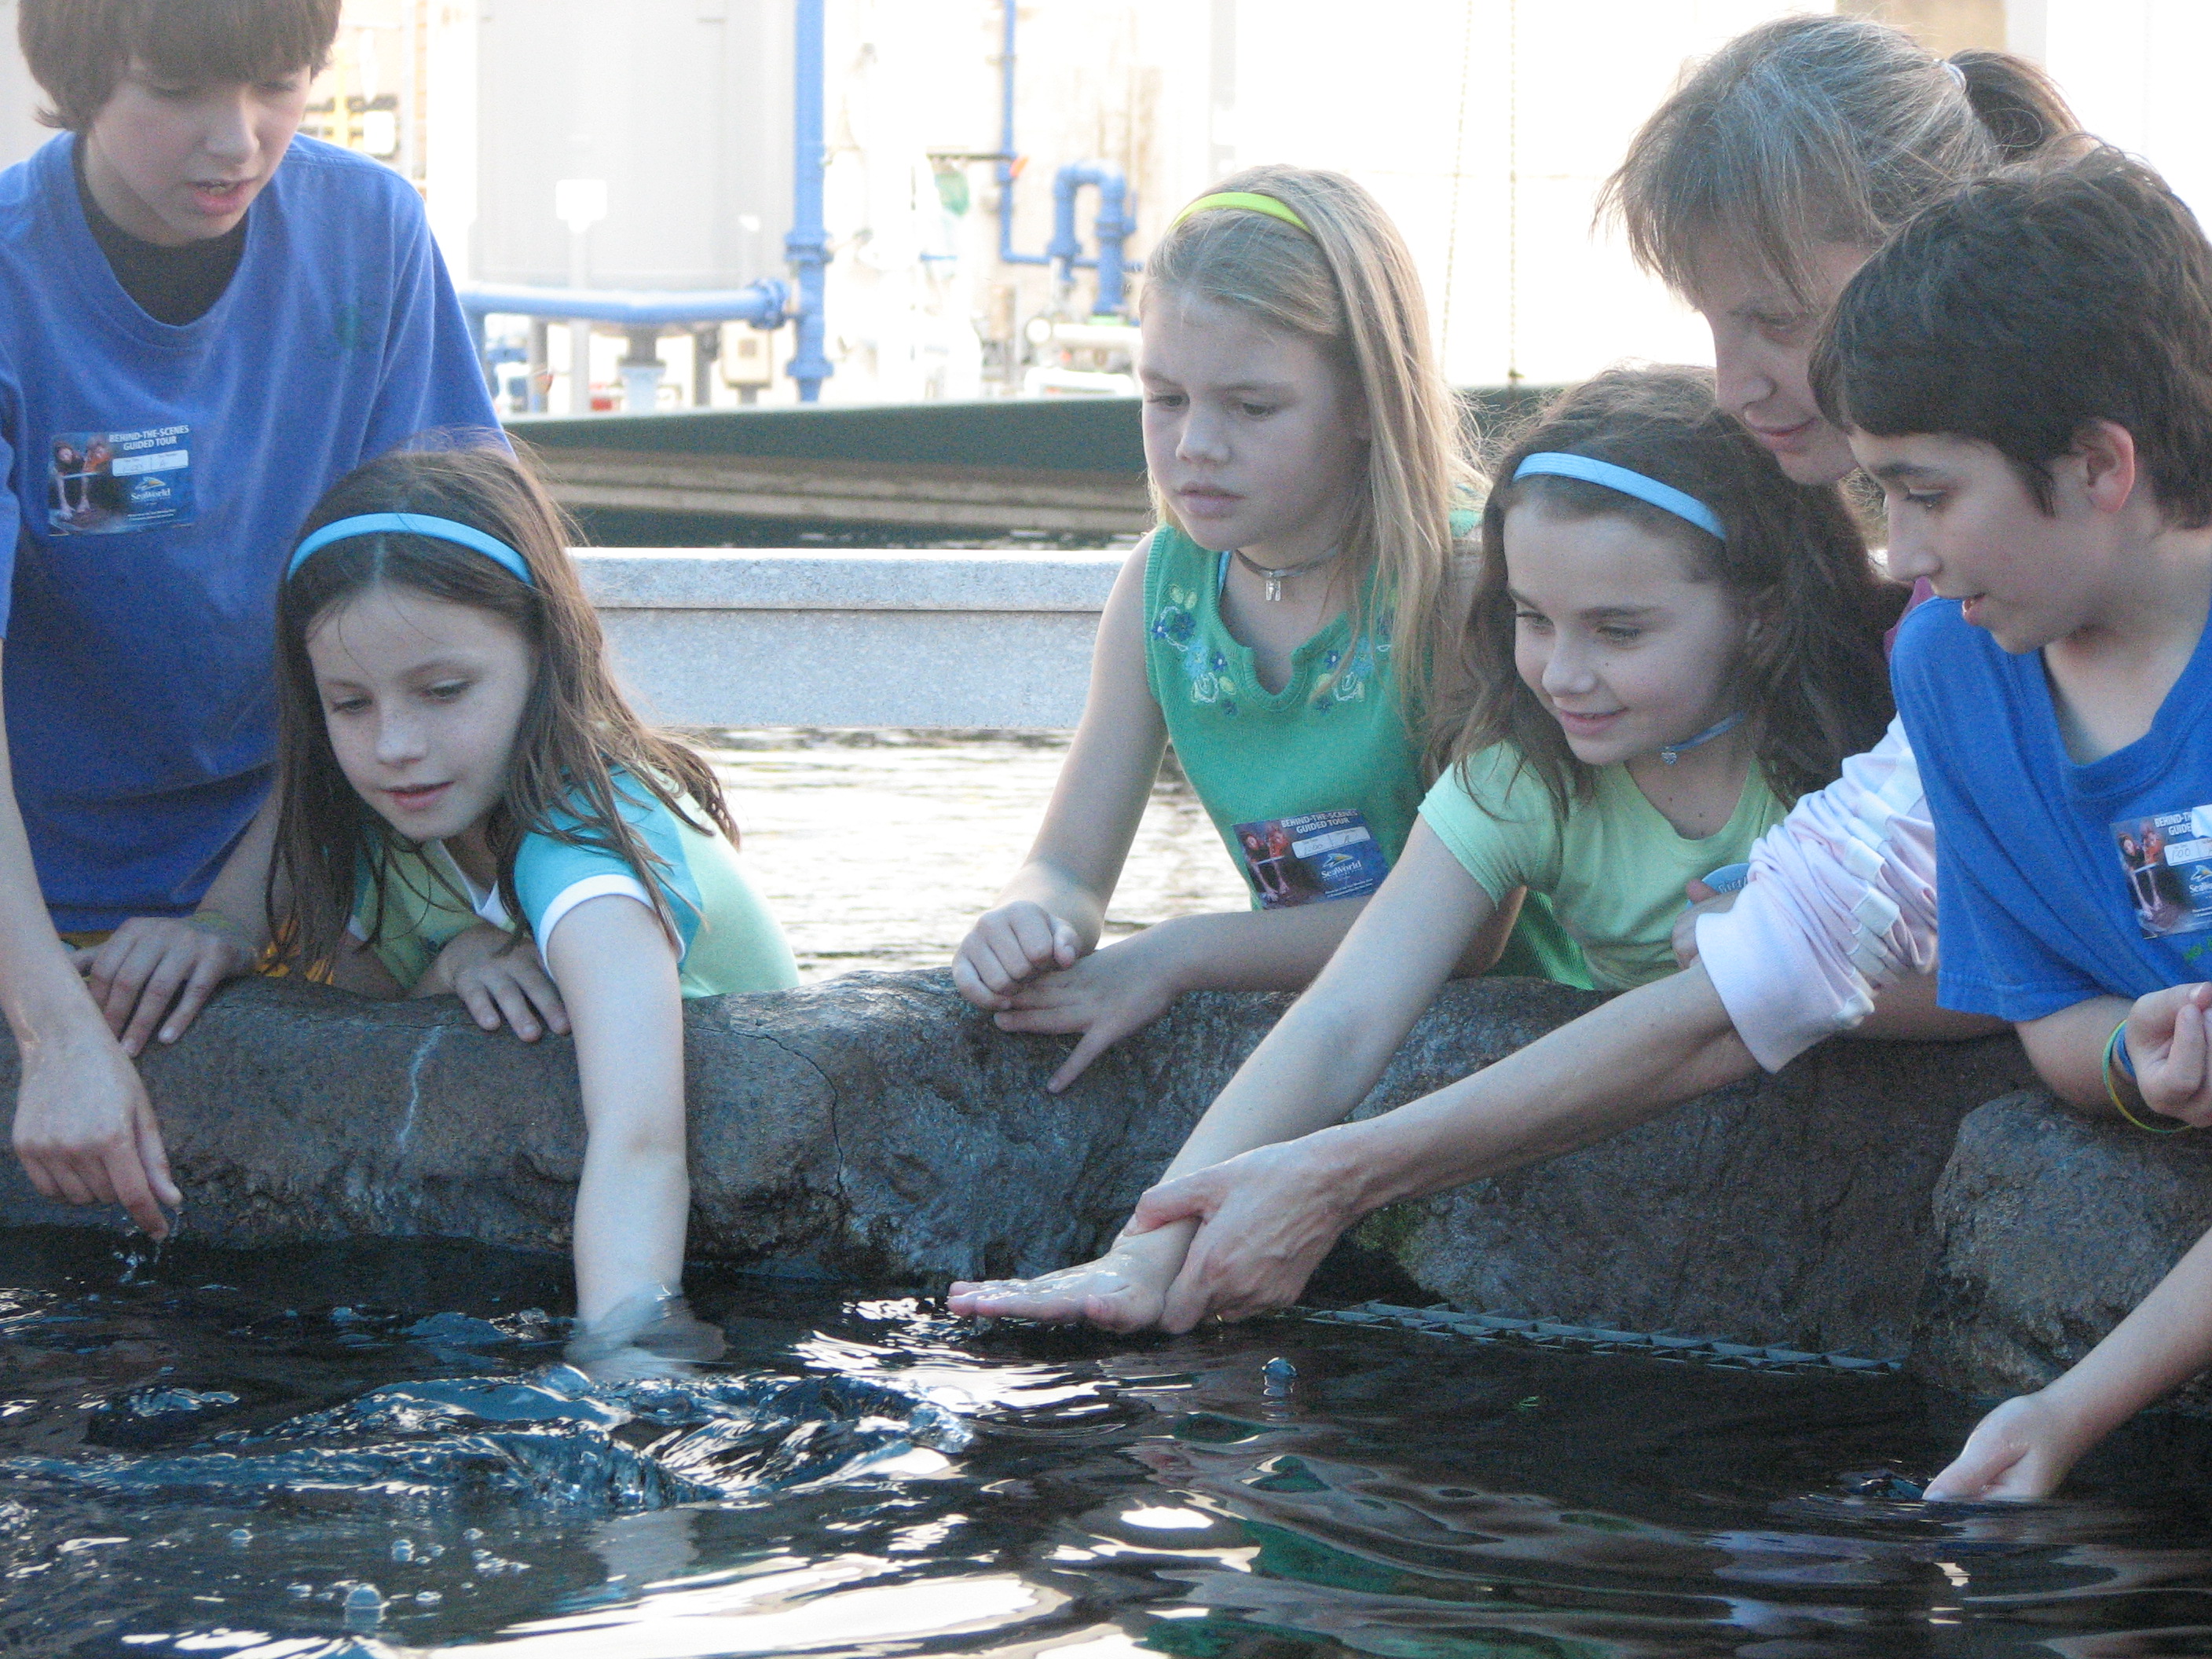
x: 1668, y: 643
x: 470, y: 807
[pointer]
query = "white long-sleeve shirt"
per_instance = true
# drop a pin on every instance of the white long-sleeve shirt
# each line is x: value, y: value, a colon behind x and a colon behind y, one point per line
x: 1840, y: 904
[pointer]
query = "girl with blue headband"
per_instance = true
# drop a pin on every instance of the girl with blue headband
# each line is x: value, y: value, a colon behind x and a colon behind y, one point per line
x: 1669, y: 642
x: 470, y: 807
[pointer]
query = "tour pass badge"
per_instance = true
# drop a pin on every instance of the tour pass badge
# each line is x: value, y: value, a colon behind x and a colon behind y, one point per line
x: 102, y: 483
x: 2167, y: 859
x: 1311, y: 857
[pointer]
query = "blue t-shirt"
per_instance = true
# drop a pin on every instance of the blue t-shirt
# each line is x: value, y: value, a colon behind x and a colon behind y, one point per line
x: 158, y: 475
x: 2059, y: 882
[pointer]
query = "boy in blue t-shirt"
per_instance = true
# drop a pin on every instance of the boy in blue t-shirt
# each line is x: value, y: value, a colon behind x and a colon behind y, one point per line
x: 2027, y: 370
x: 194, y: 343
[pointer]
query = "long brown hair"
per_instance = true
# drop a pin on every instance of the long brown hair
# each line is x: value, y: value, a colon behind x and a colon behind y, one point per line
x: 576, y: 728
x: 1812, y: 680
x: 1811, y: 129
x: 1347, y: 283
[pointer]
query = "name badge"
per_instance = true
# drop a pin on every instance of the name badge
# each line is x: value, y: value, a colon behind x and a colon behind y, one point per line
x: 104, y: 483
x: 2166, y: 859
x: 1312, y: 857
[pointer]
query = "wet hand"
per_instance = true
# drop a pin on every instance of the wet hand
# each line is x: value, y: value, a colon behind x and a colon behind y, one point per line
x: 2169, y: 1038
x: 1008, y: 946
x: 497, y: 983
x: 1266, y: 1220
x: 1121, y: 1291
x: 85, y: 1132
x: 158, y: 971
x: 2022, y: 1449
x: 1703, y: 901
x: 1106, y: 996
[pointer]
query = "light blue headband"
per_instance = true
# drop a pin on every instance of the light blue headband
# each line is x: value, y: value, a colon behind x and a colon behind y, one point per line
x: 412, y: 524
x: 1590, y: 471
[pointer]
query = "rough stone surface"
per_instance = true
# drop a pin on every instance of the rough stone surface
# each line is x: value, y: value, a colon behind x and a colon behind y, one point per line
x: 2049, y: 1227
x: 877, y: 1125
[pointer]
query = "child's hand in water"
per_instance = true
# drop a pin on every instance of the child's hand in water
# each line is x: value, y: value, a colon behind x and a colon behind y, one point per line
x: 158, y: 971
x: 2021, y: 1449
x: 1105, y: 996
x: 496, y: 983
x: 1008, y: 946
x: 2170, y: 1039
x: 1123, y: 1290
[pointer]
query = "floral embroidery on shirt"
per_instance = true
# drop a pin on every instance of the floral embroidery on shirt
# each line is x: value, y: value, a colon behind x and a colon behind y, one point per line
x: 1345, y: 678
x: 1206, y: 669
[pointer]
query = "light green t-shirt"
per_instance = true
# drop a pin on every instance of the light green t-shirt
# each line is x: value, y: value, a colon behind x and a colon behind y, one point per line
x: 1615, y: 867
x: 1313, y: 787
x: 731, y: 941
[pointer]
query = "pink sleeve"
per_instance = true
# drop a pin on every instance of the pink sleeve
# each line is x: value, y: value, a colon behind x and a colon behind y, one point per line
x: 1841, y: 903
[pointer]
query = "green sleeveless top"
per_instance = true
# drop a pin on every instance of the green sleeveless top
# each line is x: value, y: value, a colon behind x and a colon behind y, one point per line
x: 1313, y: 788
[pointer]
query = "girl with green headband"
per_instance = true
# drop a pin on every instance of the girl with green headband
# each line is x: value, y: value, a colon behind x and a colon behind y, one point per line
x: 1284, y: 627
x: 470, y: 807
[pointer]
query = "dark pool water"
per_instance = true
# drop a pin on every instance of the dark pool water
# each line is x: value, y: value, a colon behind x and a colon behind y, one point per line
x: 375, y: 1451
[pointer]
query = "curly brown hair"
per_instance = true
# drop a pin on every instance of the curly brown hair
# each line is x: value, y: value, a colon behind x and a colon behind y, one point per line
x: 1811, y: 679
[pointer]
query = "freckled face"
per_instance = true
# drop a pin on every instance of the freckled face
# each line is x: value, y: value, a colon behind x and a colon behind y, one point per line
x: 1619, y: 644
x: 422, y: 698
x: 1249, y: 430
x: 173, y: 161
x: 1763, y: 354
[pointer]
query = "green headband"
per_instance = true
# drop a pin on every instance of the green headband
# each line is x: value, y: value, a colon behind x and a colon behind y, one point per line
x: 1249, y: 201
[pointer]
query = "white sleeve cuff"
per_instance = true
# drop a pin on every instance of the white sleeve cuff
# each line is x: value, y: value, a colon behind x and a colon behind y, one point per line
x: 569, y: 897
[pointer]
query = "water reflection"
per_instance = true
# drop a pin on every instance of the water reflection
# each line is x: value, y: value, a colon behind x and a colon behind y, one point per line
x: 375, y: 1450
x: 878, y: 850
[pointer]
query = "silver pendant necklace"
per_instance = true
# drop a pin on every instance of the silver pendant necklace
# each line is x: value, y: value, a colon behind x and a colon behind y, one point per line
x: 1671, y: 752
x: 1274, y: 578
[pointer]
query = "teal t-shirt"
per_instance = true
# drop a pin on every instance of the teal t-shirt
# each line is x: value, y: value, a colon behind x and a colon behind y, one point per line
x: 730, y: 942
x: 1614, y: 868
x: 1313, y: 788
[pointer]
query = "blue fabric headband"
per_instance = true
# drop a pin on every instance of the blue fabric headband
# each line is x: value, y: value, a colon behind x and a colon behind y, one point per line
x: 412, y: 524
x: 1591, y: 470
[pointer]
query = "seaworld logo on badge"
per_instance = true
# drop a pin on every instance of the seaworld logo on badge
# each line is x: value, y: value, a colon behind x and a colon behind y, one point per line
x: 103, y: 483
x: 1311, y: 857
x: 2167, y: 859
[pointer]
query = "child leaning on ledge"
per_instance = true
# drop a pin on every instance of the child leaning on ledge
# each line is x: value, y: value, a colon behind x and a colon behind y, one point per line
x: 2027, y: 371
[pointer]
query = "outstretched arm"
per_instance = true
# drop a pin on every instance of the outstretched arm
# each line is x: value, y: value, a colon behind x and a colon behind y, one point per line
x: 1266, y: 1218
x: 1317, y: 1064
x: 84, y: 1128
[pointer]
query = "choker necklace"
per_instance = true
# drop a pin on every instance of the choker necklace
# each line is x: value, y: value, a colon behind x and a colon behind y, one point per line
x: 1274, y: 578
x: 1671, y: 752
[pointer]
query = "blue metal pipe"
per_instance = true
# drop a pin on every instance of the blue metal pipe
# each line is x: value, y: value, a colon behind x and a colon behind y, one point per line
x: 1007, y: 254
x: 807, y: 247
x: 764, y: 304
x: 1110, y: 229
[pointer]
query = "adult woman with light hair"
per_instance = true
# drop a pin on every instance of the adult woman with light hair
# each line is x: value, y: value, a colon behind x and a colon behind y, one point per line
x: 1777, y: 168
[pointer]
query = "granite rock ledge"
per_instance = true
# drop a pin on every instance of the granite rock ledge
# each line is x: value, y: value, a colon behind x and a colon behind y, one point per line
x: 876, y: 1125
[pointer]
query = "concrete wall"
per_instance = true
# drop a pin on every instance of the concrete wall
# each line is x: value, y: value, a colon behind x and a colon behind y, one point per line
x: 797, y: 637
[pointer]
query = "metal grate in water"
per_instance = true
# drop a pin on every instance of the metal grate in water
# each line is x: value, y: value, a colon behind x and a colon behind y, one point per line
x: 1444, y: 1320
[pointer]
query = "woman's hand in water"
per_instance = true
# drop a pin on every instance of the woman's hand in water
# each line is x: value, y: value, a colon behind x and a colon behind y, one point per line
x: 1265, y: 1220
x: 1009, y: 946
x: 158, y: 971
x: 496, y: 982
x: 2021, y: 1449
x: 1105, y: 996
x: 1122, y: 1291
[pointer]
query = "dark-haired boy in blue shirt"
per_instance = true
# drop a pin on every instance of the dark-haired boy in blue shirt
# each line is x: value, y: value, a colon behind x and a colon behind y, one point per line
x: 194, y: 343
x: 2027, y: 370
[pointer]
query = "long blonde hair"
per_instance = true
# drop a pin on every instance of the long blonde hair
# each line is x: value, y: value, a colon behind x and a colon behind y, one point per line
x: 1348, y: 283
